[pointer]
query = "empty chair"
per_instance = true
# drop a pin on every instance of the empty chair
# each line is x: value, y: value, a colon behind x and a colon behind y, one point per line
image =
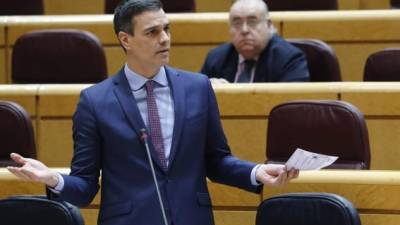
x: 168, y: 5
x: 301, y: 5
x: 329, y: 127
x: 322, y: 62
x: 21, y: 7
x: 16, y: 133
x: 307, y: 209
x: 29, y: 210
x: 58, y: 56
x: 383, y: 66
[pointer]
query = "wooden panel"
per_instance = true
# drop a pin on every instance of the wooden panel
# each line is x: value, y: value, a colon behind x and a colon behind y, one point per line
x: 261, y: 98
x: 376, y: 102
x: 25, y: 95
x: 3, y: 22
x: 379, y: 219
x: 222, y: 217
x: 343, y: 25
x: 373, y: 98
x: 247, y: 137
x: 100, y: 25
x: 59, y: 100
x: 374, y: 4
x: 348, y: 4
x: 55, y: 142
x: 204, y: 28
x: 90, y: 216
x: 3, y: 70
x: 213, y: 6
x: 189, y: 57
x: 374, y: 193
x: 8, y: 61
x: 226, y: 196
x: 115, y: 59
x: 381, y: 187
x: 11, y: 185
x: 16, y: 187
x: 352, y: 65
x: 224, y: 5
x: 379, y: 197
x: 57, y: 7
x: 384, y: 143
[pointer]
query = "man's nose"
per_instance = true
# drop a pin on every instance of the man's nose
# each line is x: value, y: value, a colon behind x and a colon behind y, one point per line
x: 165, y: 37
x: 244, y: 28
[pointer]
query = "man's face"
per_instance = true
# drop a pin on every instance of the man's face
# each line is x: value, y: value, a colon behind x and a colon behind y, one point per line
x: 148, y: 48
x: 249, y: 28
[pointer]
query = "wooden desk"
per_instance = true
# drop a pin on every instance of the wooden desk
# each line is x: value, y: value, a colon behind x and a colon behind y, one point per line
x: 375, y: 194
x: 54, y: 7
x: 244, y: 112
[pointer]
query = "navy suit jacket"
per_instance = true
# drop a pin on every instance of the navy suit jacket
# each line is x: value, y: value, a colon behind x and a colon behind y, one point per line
x: 279, y: 62
x: 106, y: 132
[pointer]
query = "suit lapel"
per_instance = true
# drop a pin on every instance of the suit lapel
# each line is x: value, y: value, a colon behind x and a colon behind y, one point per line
x: 178, y: 94
x: 262, y: 73
x: 230, y: 68
x: 128, y: 103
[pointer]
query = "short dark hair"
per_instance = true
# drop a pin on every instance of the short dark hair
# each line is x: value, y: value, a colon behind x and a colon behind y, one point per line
x: 127, y: 9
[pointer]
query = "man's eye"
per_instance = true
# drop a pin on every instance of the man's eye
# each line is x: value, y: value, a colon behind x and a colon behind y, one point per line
x: 252, y: 22
x: 151, y: 32
x: 237, y: 23
x: 166, y: 29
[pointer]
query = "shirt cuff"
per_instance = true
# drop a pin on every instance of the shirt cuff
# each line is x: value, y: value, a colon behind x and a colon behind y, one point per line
x: 253, y: 176
x: 60, y: 185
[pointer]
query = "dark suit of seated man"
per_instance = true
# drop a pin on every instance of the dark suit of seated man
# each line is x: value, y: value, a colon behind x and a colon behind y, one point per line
x: 256, y: 53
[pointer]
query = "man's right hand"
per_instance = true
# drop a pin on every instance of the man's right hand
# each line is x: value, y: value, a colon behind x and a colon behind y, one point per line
x: 33, y: 170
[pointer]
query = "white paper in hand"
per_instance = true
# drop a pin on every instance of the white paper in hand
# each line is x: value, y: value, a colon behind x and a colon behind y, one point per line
x: 305, y: 160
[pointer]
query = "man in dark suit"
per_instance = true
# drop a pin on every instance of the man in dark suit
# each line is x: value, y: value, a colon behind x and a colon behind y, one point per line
x: 256, y: 53
x: 187, y: 142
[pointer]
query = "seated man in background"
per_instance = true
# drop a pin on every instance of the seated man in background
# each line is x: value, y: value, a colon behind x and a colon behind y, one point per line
x: 256, y: 53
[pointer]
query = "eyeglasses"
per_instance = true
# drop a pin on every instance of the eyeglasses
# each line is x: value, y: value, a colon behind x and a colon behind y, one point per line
x: 251, y: 23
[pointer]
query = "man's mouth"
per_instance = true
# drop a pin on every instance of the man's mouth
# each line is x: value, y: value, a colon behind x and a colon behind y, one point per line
x: 163, y: 50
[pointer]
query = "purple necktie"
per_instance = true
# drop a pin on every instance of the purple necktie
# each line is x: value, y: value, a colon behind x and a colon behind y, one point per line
x: 245, y: 75
x: 154, y: 124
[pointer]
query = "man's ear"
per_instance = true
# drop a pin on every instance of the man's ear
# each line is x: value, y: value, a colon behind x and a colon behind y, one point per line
x: 269, y: 23
x: 123, y: 38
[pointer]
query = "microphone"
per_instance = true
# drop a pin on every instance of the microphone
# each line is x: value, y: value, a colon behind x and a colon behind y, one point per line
x: 144, y: 138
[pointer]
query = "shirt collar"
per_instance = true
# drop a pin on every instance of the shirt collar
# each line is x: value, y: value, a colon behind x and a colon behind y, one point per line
x: 136, y: 81
x: 241, y: 59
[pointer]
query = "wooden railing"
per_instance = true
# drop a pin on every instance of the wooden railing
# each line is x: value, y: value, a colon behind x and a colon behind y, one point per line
x: 375, y: 194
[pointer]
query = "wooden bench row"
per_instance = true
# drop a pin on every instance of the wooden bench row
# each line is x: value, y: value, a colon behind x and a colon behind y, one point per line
x: 244, y: 113
x: 375, y: 194
x: 353, y: 34
x: 54, y: 7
